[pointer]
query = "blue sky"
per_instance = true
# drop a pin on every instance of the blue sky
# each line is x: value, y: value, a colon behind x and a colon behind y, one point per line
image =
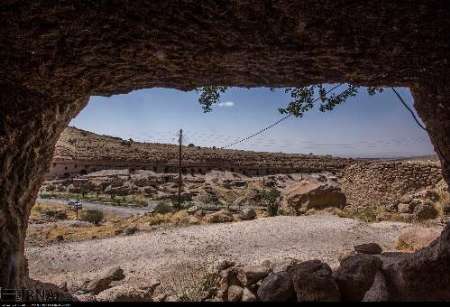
x: 365, y: 126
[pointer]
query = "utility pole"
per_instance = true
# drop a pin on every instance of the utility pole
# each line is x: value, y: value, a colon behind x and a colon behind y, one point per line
x: 180, y: 179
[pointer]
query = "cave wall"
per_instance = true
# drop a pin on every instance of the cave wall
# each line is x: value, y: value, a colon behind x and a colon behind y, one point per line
x: 54, y: 55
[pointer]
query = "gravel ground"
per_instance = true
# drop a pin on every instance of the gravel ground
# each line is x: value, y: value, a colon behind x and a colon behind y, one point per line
x: 164, y: 253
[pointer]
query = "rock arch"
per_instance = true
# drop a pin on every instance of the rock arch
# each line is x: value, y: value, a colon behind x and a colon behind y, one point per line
x: 54, y: 57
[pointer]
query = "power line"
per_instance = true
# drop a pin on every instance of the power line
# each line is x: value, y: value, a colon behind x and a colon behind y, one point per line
x: 409, y: 109
x: 420, y: 125
x: 274, y: 124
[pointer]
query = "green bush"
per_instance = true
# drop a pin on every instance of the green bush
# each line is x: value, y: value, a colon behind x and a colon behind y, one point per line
x: 93, y: 216
x: 270, y: 198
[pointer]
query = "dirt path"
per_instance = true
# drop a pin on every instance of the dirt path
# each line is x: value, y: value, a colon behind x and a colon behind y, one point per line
x: 156, y: 255
x: 118, y: 210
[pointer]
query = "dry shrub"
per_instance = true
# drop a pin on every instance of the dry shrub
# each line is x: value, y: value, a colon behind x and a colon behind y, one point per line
x: 93, y: 216
x: 366, y: 214
x: 417, y: 237
x: 190, y: 283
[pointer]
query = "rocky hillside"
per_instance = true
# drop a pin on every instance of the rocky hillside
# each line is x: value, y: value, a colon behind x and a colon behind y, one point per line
x: 77, y: 144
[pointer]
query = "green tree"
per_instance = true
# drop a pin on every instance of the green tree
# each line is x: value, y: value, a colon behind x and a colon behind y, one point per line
x: 302, y: 98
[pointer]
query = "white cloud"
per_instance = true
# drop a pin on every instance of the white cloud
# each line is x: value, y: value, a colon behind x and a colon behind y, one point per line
x: 227, y: 104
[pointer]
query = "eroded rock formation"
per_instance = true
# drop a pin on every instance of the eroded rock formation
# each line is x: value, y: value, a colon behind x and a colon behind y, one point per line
x: 54, y: 56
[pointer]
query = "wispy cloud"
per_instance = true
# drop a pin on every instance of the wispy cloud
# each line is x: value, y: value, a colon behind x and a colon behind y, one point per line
x: 227, y: 104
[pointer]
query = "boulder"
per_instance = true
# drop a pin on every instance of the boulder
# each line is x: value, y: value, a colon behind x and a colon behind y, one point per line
x: 313, y: 281
x: 424, y: 212
x: 391, y: 207
x: 221, y: 216
x: 123, y: 293
x: 247, y: 214
x: 355, y: 276
x: 276, y: 287
x: 405, y: 208
x: 222, y: 264
x: 130, y: 230
x: 313, y: 195
x: 249, y: 275
x: 378, y: 292
x: 406, y: 199
x: 103, y: 281
x: 368, y: 248
x: 234, y: 293
x: 121, y: 190
x: 248, y: 296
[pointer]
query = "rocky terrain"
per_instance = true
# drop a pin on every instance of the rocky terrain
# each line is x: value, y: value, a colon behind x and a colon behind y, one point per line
x: 232, y: 236
x: 177, y: 258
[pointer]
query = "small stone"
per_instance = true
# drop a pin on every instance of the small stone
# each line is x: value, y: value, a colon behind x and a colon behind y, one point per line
x: 172, y: 298
x: 406, y: 199
x: 130, y: 230
x: 405, y: 208
x: 249, y: 275
x: 247, y: 214
x: 369, y: 248
x: 234, y: 293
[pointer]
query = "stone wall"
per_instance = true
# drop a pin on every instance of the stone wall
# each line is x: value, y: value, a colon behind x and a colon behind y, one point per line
x: 62, y: 168
x: 381, y: 183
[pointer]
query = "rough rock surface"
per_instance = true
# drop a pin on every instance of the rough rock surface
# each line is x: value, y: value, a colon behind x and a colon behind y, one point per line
x: 249, y: 275
x: 277, y: 287
x: 313, y: 195
x: 313, y: 281
x: 103, y: 281
x: 221, y: 216
x: 59, y: 55
x: 124, y: 293
x: 368, y: 248
x: 355, y: 276
x: 247, y: 214
x: 378, y: 292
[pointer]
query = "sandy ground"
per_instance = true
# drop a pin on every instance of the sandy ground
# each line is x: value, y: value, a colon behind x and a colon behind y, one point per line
x: 160, y: 254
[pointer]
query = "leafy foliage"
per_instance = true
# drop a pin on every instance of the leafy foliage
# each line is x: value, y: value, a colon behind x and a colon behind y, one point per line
x: 270, y: 198
x: 302, y: 98
x: 210, y: 95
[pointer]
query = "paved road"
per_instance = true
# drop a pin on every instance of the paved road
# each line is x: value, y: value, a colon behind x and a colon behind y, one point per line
x: 121, y: 211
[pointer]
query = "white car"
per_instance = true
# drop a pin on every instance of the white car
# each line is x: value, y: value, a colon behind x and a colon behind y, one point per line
x: 75, y: 204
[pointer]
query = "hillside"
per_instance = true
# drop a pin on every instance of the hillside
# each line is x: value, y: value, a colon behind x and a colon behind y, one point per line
x: 77, y: 144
